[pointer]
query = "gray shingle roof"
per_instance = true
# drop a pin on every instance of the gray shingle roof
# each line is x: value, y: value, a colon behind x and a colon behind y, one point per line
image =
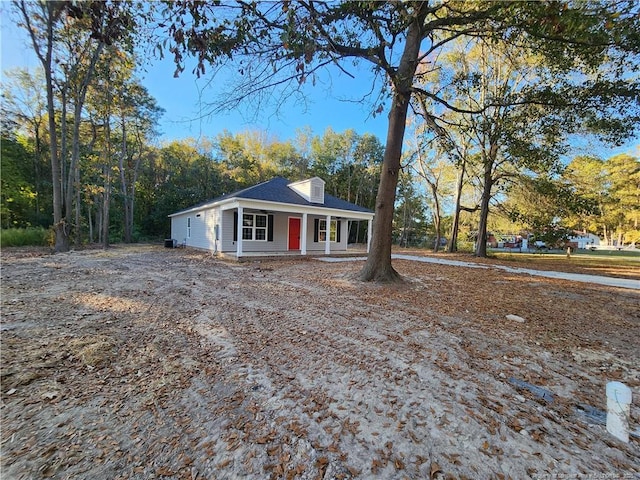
x: 277, y: 190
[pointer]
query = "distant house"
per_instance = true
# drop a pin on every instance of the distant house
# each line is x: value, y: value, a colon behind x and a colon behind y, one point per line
x: 272, y: 217
x: 583, y: 240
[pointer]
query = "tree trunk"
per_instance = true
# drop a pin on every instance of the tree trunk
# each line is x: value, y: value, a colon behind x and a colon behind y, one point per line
x: 64, y: 150
x: 73, y: 181
x: 74, y: 167
x: 436, y: 217
x: 52, y: 12
x: 106, y: 196
x: 129, y: 188
x: 90, y: 223
x: 78, y: 203
x: 481, y: 243
x: 98, y: 199
x: 124, y: 188
x: 36, y: 170
x: 62, y: 237
x: 452, y: 246
x: 620, y: 236
x: 378, y: 265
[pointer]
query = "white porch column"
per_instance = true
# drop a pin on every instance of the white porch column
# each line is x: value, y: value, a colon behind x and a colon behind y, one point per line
x: 239, y: 242
x: 303, y: 235
x: 369, y: 229
x: 327, y: 240
x: 217, y: 232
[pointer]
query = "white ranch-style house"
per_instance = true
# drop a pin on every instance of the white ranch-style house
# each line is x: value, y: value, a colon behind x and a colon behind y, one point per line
x: 273, y: 217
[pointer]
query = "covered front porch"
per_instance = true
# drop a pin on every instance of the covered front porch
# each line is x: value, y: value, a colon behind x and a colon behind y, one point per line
x: 251, y: 228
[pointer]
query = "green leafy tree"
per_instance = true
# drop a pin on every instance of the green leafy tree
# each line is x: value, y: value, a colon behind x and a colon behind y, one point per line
x: 289, y: 162
x: 349, y: 162
x: 623, y: 172
x: 178, y: 176
x: 516, y: 110
x: 246, y: 156
x: 138, y: 116
x: 409, y: 219
x: 587, y: 178
x: 17, y: 193
x: 434, y: 169
x: 68, y: 39
x: 543, y: 207
x: 24, y: 112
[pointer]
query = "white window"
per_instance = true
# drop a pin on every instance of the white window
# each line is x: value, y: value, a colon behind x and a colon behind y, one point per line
x: 254, y: 226
x: 322, y: 231
x: 188, y: 227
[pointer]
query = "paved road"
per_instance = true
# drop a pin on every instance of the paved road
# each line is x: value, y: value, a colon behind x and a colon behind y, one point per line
x: 576, y: 277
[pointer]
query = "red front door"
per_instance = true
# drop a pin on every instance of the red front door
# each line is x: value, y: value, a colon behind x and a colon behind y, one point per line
x: 294, y: 234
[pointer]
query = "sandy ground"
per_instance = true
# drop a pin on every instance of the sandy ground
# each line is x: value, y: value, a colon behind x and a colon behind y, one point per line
x: 144, y: 362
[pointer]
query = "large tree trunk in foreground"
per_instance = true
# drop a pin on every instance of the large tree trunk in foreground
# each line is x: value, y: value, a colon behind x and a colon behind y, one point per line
x: 378, y: 265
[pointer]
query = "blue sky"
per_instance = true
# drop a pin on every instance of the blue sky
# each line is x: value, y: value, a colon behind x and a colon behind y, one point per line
x: 332, y: 103
x: 185, y: 98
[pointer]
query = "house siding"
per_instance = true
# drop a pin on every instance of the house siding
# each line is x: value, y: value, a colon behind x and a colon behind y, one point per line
x: 203, y: 225
x: 228, y: 245
x: 179, y: 228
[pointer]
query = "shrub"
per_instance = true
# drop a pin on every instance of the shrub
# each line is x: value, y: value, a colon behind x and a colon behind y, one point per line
x: 465, y: 246
x: 20, y: 237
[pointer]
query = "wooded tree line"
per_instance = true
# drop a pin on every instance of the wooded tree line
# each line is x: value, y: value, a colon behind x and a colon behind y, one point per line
x: 136, y: 191
x: 590, y: 194
x: 490, y: 93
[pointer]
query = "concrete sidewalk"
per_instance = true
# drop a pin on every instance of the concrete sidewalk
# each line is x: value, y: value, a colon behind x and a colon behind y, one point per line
x: 576, y: 277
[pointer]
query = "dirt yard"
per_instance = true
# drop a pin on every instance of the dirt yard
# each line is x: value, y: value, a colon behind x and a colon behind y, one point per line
x: 144, y: 362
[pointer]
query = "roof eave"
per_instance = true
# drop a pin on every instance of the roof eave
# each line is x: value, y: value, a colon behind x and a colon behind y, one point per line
x: 205, y: 206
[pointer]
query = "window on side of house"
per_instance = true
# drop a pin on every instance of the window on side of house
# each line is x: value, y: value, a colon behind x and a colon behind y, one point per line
x: 188, y: 227
x: 254, y: 226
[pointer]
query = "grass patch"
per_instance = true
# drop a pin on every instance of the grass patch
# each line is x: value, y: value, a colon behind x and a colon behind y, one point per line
x: 22, y: 237
x: 582, y: 258
x: 94, y: 350
x: 612, y: 253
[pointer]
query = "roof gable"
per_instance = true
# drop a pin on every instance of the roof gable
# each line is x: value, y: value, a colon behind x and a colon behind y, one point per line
x: 311, y: 189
